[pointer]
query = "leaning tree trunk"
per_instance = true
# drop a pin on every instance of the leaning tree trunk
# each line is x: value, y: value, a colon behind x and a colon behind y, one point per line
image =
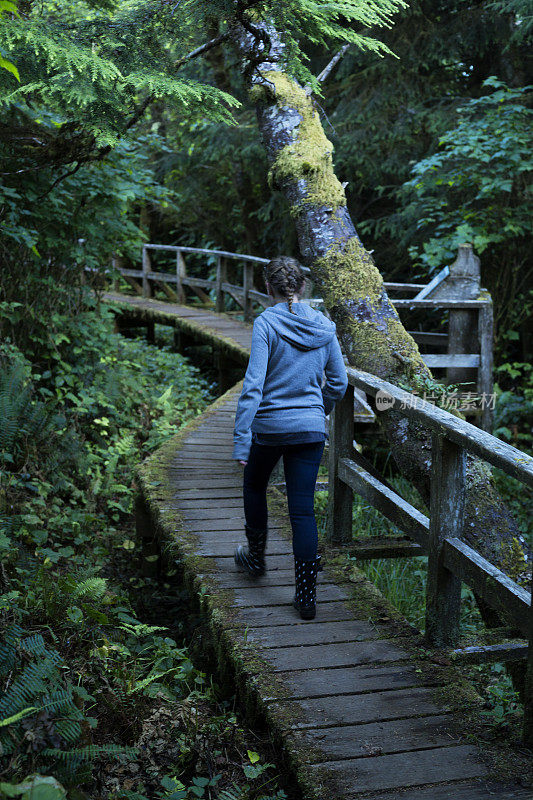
x: 368, y: 325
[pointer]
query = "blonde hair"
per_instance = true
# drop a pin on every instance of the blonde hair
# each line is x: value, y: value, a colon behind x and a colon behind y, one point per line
x: 285, y: 275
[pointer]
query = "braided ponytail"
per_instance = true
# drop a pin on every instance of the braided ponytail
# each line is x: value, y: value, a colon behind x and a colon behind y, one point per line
x: 286, y: 276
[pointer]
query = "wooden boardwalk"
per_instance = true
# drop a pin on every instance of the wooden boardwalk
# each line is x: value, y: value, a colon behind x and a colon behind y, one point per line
x: 354, y: 715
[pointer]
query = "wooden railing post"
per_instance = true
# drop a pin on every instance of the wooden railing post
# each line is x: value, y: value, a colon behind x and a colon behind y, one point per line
x: 485, y: 383
x: 340, y: 495
x: 528, y: 689
x: 443, y: 590
x: 248, y: 282
x: 222, y: 277
x: 147, y: 289
x: 180, y: 273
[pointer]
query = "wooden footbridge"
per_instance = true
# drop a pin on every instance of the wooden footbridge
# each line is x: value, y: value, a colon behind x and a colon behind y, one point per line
x: 362, y: 706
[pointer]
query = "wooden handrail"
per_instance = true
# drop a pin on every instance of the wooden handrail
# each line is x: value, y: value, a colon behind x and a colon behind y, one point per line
x: 450, y: 560
x: 483, y: 444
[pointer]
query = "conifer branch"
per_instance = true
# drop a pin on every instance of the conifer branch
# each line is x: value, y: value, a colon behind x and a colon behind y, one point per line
x: 139, y: 112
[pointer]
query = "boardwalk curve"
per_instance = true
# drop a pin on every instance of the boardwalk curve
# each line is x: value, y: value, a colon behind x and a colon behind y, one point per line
x: 353, y: 712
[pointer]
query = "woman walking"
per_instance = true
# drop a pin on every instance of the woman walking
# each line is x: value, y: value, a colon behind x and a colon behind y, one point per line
x: 281, y: 412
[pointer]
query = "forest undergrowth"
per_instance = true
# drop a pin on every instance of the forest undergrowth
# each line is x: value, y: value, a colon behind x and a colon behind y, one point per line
x: 100, y: 696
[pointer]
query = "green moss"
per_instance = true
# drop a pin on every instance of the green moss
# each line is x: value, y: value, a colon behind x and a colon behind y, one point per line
x: 372, y: 332
x: 309, y: 156
x: 514, y: 562
x: 203, y: 333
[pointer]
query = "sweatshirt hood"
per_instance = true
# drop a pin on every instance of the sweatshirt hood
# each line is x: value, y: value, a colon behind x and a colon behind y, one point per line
x: 306, y: 329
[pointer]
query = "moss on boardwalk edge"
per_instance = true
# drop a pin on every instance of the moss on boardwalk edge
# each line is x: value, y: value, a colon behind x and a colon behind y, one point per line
x: 210, y: 336
x: 252, y: 676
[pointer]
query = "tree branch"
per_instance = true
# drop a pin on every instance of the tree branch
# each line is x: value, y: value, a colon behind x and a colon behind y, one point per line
x: 332, y: 64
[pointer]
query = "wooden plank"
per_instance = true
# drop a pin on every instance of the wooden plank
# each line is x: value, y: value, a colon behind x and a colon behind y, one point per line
x: 226, y: 564
x: 401, y: 287
x: 432, y: 285
x: 387, y: 502
x: 247, y: 284
x: 210, y: 492
x: 319, y: 633
x: 509, y: 599
x: 438, y: 304
x: 197, y: 282
x: 224, y: 438
x: 496, y: 452
x: 204, y: 251
x: 197, y: 472
x: 349, y: 680
x: 282, y: 595
x: 340, y: 497
x: 428, y: 337
x: 211, y: 502
x: 485, y: 377
x: 234, y: 536
x: 221, y: 277
x: 147, y: 291
x: 226, y: 548
x: 404, y: 770
x: 382, y: 547
x: 510, y: 651
x: 336, y: 710
x: 228, y: 483
x: 443, y: 586
x: 528, y: 684
x: 339, y: 654
x: 203, y: 452
x: 378, y: 738
x: 463, y: 790
x: 233, y: 519
x: 257, y: 616
x: 233, y: 579
x: 456, y: 360
x: 222, y: 525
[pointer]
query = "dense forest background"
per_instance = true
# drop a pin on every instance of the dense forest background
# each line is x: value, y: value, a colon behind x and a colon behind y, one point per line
x: 110, y: 133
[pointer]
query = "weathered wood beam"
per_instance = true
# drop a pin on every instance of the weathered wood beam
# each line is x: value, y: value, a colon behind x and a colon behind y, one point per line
x: 443, y: 587
x: 510, y: 600
x: 389, y: 503
x: 480, y: 654
x: 340, y: 496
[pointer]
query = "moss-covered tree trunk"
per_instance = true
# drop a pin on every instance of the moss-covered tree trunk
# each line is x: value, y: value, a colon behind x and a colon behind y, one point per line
x: 368, y: 326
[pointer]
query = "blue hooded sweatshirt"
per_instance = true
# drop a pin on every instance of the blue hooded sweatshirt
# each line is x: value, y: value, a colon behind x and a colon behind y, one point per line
x: 282, y: 389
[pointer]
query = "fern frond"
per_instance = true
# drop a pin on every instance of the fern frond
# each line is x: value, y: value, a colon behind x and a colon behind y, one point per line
x: 90, y: 752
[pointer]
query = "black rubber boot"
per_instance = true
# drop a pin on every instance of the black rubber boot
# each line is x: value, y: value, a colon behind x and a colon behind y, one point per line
x: 252, y: 558
x: 305, y: 573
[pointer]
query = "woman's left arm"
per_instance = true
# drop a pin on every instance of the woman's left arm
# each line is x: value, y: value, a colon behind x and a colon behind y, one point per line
x: 252, y: 391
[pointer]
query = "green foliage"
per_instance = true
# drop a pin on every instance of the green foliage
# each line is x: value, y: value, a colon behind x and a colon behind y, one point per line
x: 34, y: 787
x: 8, y: 7
x: 513, y: 417
x: 453, y: 194
x: 40, y: 709
x: 65, y: 491
x: 93, y: 65
x: 92, y: 204
x: 327, y: 25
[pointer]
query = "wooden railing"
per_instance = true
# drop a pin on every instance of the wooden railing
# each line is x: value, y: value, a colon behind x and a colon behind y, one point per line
x: 469, y: 308
x: 450, y: 560
x: 244, y: 294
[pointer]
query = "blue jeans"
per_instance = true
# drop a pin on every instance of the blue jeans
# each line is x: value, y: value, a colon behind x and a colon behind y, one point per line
x: 300, y: 464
